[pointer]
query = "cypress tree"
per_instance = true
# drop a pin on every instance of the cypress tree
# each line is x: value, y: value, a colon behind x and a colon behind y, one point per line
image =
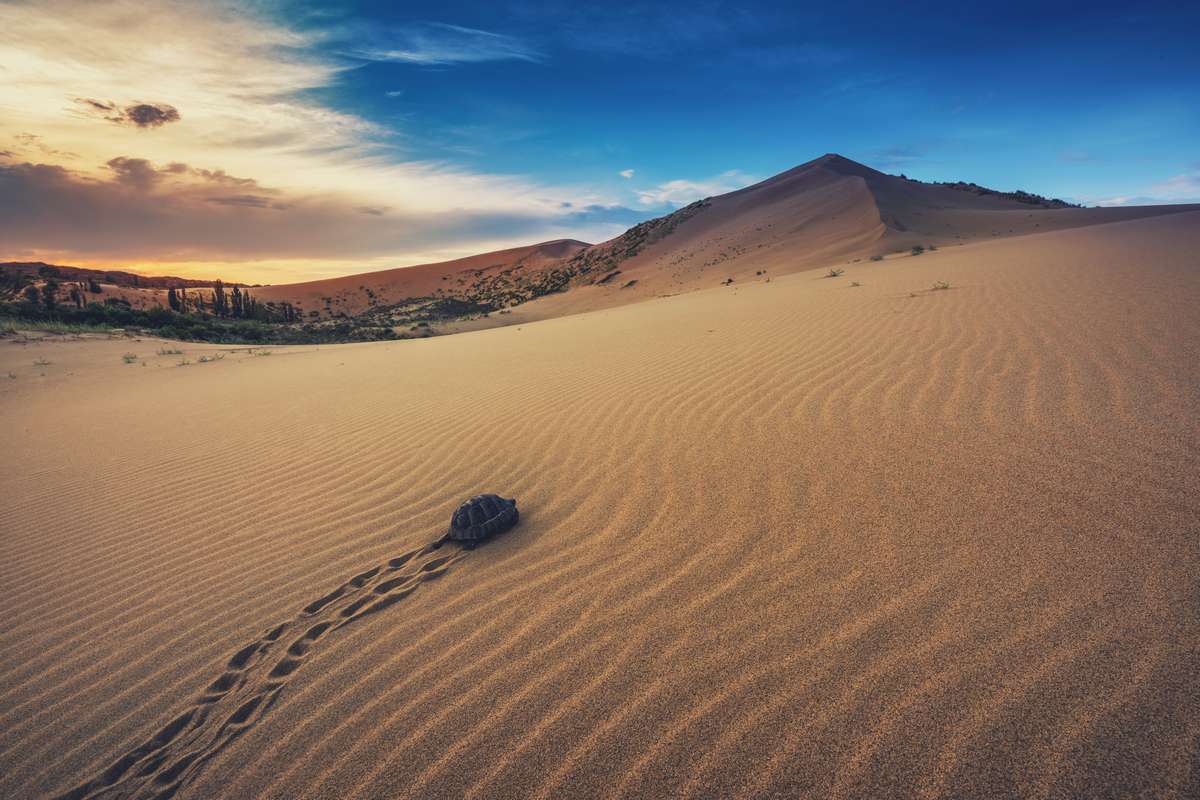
x: 50, y: 294
x: 172, y: 299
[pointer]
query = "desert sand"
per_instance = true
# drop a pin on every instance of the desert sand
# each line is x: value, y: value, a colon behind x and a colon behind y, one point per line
x: 796, y: 538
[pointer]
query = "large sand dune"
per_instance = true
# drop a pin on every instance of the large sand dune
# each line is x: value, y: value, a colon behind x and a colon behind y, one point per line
x: 794, y: 539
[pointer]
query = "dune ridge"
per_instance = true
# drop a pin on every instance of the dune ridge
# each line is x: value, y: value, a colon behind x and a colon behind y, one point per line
x: 795, y: 538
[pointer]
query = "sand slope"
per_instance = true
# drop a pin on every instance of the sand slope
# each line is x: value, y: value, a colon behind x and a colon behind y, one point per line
x: 349, y: 295
x: 828, y: 212
x: 785, y: 539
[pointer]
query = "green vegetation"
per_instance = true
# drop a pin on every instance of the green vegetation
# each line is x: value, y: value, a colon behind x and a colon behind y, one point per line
x: 278, y: 327
x: 10, y: 326
x: 166, y: 351
x: 129, y: 358
x: 917, y: 250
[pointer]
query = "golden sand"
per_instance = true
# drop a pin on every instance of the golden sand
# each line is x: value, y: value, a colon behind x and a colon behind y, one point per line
x: 794, y: 539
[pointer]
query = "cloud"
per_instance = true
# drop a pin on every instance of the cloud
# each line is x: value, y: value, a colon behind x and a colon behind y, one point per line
x: 141, y: 115
x: 896, y: 157
x: 436, y: 43
x: 1178, y: 189
x: 395, y: 93
x: 177, y: 213
x: 249, y: 87
x: 681, y: 192
x: 151, y: 115
x: 626, y: 173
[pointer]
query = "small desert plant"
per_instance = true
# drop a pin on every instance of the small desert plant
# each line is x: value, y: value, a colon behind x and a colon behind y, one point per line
x: 210, y: 359
x: 12, y: 375
x: 941, y: 285
x: 917, y: 250
x: 833, y: 273
x: 855, y: 283
x: 877, y: 258
x: 129, y: 358
x: 41, y: 362
x: 932, y: 247
x: 166, y: 351
x: 183, y: 362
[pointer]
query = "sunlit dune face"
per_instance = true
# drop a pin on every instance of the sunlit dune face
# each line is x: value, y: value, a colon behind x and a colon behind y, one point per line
x: 182, y: 136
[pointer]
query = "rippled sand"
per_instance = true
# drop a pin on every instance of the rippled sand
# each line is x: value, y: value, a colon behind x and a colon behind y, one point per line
x: 794, y: 538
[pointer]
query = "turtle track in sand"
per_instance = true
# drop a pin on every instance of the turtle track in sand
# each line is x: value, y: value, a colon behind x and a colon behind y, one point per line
x: 253, y: 679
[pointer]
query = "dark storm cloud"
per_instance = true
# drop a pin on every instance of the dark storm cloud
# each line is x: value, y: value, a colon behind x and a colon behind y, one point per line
x: 142, y: 115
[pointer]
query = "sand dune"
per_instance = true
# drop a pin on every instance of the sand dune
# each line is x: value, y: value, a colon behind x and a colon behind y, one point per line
x: 828, y: 212
x: 795, y: 539
x: 349, y: 295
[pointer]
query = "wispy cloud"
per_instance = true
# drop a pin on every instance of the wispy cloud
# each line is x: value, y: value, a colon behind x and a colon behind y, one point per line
x: 1183, y: 188
x: 896, y: 157
x: 626, y: 173
x: 245, y: 162
x: 683, y: 191
x: 436, y: 43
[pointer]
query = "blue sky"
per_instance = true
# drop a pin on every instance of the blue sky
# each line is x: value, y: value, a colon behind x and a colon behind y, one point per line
x: 276, y: 140
x: 1091, y: 101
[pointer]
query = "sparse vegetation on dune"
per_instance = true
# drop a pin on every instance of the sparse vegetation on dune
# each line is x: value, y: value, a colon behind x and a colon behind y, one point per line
x: 190, y: 326
x: 834, y: 273
x: 940, y: 285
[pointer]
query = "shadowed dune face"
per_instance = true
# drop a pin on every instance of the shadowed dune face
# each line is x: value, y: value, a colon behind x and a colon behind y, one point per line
x: 797, y: 538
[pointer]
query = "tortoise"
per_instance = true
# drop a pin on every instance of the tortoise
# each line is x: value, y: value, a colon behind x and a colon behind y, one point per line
x: 482, y: 516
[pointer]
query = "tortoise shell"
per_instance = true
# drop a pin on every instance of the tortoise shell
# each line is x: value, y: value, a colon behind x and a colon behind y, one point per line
x: 482, y: 516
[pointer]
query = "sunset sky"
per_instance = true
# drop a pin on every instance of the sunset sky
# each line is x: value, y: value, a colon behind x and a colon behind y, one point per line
x: 279, y: 141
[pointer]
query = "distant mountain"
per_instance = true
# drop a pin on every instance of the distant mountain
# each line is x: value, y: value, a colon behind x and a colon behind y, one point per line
x: 39, y: 270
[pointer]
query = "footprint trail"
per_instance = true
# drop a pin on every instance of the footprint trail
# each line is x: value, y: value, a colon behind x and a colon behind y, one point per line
x: 253, y: 679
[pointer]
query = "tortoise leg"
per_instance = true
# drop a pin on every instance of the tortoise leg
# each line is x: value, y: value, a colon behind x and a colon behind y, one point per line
x: 469, y: 544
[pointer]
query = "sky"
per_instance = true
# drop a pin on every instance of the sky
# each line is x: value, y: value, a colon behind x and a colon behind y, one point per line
x: 274, y: 141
